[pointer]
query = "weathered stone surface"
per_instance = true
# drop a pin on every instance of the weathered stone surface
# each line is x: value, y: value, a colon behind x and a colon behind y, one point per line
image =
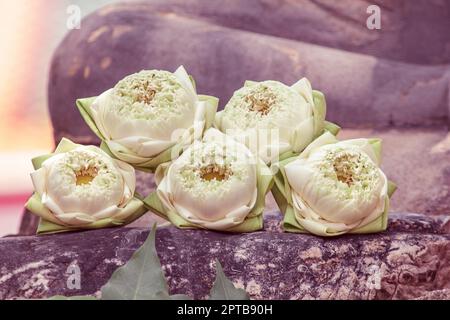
x: 436, y: 295
x: 410, y: 260
x: 361, y: 90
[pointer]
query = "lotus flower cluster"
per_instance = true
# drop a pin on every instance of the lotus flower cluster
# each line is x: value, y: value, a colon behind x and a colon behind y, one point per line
x: 212, y: 178
x: 147, y: 119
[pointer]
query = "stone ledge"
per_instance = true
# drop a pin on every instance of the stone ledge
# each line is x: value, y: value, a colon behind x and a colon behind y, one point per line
x: 410, y: 260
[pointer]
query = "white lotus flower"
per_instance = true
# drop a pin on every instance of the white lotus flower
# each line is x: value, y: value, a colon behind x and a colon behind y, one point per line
x: 83, y: 187
x: 334, y: 187
x: 273, y: 119
x: 215, y: 184
x: 147, y: 114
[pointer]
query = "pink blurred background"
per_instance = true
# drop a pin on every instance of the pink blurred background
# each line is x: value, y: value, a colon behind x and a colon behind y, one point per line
x: 29, y: 32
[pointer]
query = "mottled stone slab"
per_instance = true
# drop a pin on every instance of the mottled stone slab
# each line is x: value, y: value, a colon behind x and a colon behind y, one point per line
x: 436, y: 295
x: 410, y: 260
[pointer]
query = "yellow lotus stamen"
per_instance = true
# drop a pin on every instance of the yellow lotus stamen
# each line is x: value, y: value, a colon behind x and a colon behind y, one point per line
x: 85, y: 176
x: 147, y: 94
x: 343, y: 167
x: 215, y: 171
x: 261, y: 100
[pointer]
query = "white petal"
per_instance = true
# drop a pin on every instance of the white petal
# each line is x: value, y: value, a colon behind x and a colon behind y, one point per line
x: 129, y: 176
x: 124, y: 154
x: 298, y: 175
x: 164, y: 193
x: 322, y: 227
x: 76, y: 219
x: 348, y: 212
x: 39, y: 178
x: 105, y: 213
x: 65, y: 145
x: 185, y: 81
x: 144, y: 147
x: 51, y: 205
x: 303, y: 135
x: 131, y: 208
x: 302, y: 208
x: 99, y: 107
x: 364, y: 145
x: 324, y: 139
x: 304, y: 87
x: 313, y: 222
x: 212, y: 208
x: 233, y: 218
x: 380, y: 207
x: 47, y: 164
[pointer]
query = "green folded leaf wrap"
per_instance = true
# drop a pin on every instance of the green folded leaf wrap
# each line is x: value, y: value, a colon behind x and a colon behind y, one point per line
x: 319, y: 110
x: 84, y: 107
x: 50, y: 223
x: 211, y: 110
x: 332, y: 128
x: 282, y: 194
x: 149, y: 163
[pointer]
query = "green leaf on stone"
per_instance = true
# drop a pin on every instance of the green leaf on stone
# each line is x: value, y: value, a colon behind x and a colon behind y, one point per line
x: 141, y: 278
x: 224, y: 289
